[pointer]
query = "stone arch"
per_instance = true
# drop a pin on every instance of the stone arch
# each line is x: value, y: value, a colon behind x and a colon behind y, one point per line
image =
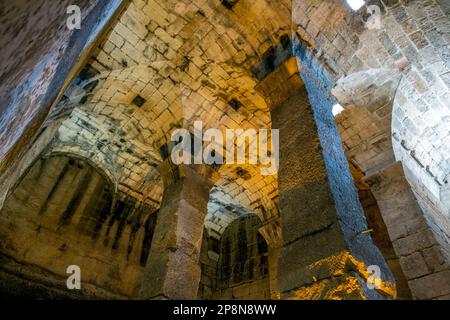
x: 131, y: 163
x: 234, y: 261
x: 423, y: 64
x: 367, y: 97
x: 245, y: 190
x: 65, y: 211
x: 246, y: 185
x: 174, y: 100
x: 104, y: 171
x: 222, y: 212
x: 366, y: 130
x: 134, y: 91
x: 373, y: 96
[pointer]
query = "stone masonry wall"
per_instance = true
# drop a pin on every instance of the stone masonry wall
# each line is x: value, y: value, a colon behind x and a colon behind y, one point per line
x: 413, y: 41
x: 64, y: 212
x: 130, y: 163
x: 38, y: 52
x: 379, y: 232
x: 237, y: 266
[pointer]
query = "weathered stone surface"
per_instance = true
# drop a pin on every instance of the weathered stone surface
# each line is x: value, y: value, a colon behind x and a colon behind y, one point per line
x: 432, y: 286
x: 64, y: 212
x: 37, y: 69
x: 163, y: 65
x: 379, y: 232
x: 313, y: 228
x: 173, y: 271
x: 421, y: 253
x: 242, y: 269
x: 411, y: 41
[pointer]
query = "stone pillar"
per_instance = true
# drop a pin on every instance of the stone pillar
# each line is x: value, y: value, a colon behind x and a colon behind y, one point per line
x: 423, y: 258
x: 326, y: 251
x: 379, y: 232
x: 173, y: 270
x: 271, y: 232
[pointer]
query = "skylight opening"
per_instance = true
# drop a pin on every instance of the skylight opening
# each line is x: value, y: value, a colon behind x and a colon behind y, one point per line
x: 356, y: 4
x: 337, y: 109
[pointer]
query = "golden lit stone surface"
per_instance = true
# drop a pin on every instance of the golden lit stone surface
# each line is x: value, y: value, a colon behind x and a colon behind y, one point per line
x: 342, y: 284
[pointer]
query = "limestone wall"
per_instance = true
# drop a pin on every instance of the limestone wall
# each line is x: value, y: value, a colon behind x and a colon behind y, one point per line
x: 414, y: 37
x: 38, y: 54
x: 236, y: 267
x: 64, y: 212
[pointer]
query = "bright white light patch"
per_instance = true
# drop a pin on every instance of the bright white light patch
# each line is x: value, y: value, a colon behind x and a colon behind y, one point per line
x: 337, y: 109
x: 356, y: 4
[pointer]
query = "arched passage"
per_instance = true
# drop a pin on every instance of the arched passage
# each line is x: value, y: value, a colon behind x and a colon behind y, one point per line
x: 234, y: 261
x: 348, y: 46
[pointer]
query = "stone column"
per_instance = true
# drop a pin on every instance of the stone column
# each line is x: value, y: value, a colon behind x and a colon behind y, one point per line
x: 326, y: 251
x: 423, y: 257
x: 271, y: 232
x: 173, y: 270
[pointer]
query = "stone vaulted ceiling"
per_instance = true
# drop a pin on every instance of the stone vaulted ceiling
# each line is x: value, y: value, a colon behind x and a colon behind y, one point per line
x: 164, y: 65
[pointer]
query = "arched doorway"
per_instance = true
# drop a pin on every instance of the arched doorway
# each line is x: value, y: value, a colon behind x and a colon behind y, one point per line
x: 234, y: 256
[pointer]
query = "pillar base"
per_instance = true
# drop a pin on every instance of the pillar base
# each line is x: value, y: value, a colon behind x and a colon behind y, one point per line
x: 340, y: 277
x: 421, y: 255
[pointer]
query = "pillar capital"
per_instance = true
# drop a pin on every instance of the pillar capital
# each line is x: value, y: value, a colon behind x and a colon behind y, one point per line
x: 172, y: 173
x: 281, y: 84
